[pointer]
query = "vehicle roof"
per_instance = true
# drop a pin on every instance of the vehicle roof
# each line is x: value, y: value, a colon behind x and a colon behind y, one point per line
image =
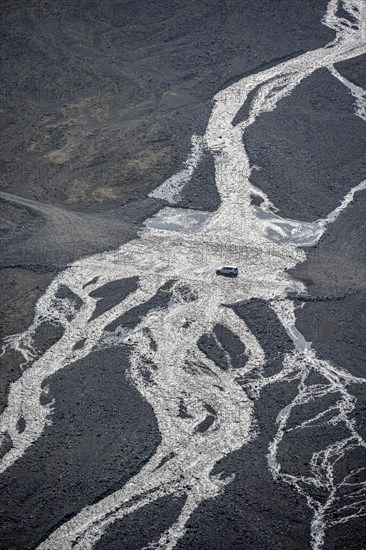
x: 229, y: 267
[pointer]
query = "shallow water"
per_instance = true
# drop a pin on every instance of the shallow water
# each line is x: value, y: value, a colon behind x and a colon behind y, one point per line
x: 185, y: 247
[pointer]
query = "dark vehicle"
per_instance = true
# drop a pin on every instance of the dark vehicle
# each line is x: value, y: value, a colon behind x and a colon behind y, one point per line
x: 227, y: 271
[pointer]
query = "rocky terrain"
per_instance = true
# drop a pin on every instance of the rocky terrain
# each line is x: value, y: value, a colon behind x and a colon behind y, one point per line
x: 99, y: 103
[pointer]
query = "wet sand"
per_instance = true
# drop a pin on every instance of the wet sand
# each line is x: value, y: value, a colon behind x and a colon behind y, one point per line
x: 103, y: 431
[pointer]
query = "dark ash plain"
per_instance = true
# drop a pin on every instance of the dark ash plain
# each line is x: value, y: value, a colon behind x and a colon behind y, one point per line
x: 99, y: 103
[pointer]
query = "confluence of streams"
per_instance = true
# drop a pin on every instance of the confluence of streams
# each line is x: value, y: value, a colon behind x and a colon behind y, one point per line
x: 181, y: 249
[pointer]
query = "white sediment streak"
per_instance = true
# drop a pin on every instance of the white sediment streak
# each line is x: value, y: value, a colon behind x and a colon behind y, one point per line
x: 358, y: 93
x: 170, y: 189
x: 186, y: 248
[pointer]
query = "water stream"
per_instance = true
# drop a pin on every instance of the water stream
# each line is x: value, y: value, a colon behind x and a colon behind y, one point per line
x: 185, y: 247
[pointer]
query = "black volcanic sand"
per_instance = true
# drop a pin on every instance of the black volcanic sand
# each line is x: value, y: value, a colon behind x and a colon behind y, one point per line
x: 137, y: 530
x: 102, y: 107
x: 333, y: 316
x: 263, y: 323
x: 111, y: 294
x: 102, y: 433
x: 354, y: 70
x: 306, y: 168
x: 99, y: 111
x: 35, y: 251
x: 106, y: 95
x: 40, y: 247
x: 200, y: 193
x: 254, y: 511
x: 131, y: 318
x: 220, y: 341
